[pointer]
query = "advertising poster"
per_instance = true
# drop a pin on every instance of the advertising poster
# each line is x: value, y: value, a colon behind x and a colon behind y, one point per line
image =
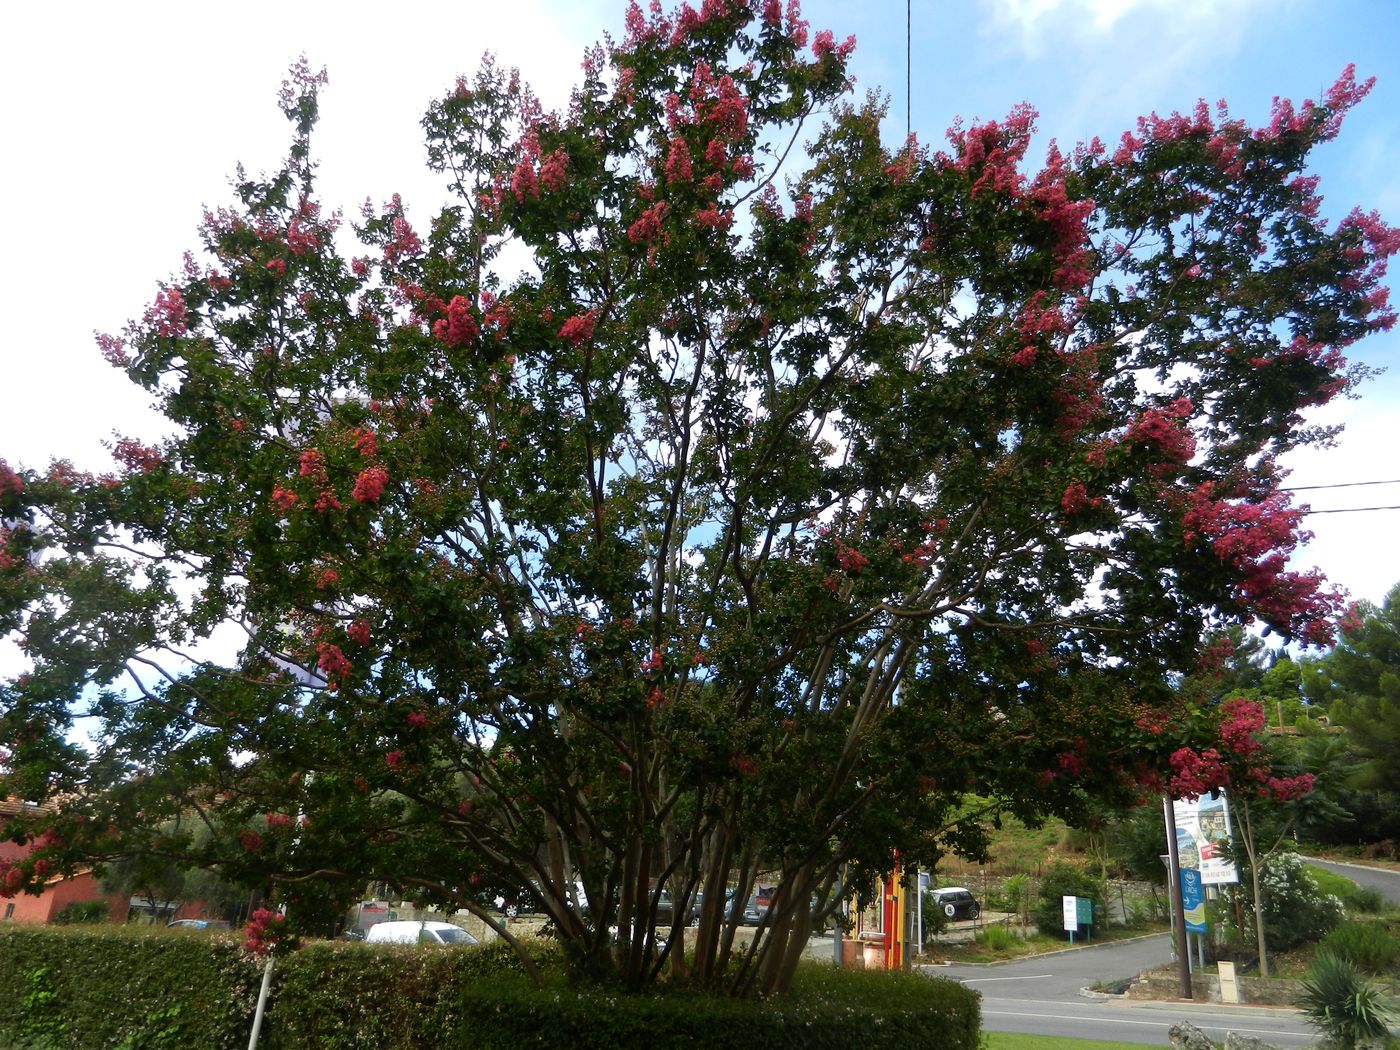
x: 1203, y: 837
x: 1193, y: 901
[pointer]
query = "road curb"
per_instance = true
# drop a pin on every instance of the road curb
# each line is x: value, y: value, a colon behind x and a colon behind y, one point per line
x: 1045, y: 955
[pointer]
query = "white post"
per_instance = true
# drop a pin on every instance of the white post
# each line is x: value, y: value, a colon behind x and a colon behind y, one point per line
x: 919, y: 889
x: 262, y: 1005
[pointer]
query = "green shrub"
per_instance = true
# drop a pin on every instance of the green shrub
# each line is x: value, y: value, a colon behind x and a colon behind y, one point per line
x: 1363, y: 900
x: 1064, y: 880
x: 1017, y: 889
x: 118, y: 986
x: 1296, y: 911
x: 124, y: 989
x: 1366, y: 946
x: 997, y: 938
x: 1343, y: 1004
x: 828, y: 1008
x: 82, y: 912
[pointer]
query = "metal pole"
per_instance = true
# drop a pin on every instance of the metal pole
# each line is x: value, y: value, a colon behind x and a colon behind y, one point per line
x: 919, y: 884
x: 1178, y: 914
x: 836, y: 923
x: 262, y: 1005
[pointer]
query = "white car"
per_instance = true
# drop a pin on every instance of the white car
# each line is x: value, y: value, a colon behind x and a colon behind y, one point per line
x: 410, y: 931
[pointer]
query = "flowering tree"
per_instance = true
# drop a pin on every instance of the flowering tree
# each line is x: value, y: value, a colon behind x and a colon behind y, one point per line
x: 779, y: 502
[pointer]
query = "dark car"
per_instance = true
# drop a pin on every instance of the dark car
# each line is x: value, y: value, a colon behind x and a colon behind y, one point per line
x: 665, y: 911
x: 957, y: 902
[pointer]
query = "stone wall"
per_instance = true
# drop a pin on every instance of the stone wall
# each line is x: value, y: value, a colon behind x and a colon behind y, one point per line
x: 1260, y: 991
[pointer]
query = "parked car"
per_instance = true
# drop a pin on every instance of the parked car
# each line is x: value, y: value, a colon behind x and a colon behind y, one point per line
x: 665, y: 911
x: 198, y: 924
x: 410, y: 931
x: 957, y: 902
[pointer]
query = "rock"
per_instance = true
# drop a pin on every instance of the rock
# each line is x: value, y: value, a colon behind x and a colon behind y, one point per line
x: 1235, y: 1041
x: 1186, y: 1036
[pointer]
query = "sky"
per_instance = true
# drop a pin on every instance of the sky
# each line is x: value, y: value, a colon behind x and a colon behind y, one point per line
x: 121, y: 122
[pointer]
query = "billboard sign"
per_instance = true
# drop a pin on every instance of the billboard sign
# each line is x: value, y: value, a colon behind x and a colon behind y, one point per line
x: 1203, y: 838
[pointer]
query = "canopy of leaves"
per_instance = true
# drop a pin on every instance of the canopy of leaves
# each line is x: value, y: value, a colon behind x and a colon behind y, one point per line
x: 781, y: 498
x: 1359, y: 681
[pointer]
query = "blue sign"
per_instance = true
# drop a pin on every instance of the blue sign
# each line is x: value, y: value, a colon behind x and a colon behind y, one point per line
x: 1193, y: 901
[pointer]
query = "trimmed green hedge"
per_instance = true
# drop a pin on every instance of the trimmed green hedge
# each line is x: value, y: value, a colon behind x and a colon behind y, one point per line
x: 143, y: 990
x: 135, y: 988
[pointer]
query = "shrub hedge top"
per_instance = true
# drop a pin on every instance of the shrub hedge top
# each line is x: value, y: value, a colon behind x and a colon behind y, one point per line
x: 137, y: 989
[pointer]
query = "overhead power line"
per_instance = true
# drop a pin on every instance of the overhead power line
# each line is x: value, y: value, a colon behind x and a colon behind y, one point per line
x: 1337, y: 485
x: 1351, y: 510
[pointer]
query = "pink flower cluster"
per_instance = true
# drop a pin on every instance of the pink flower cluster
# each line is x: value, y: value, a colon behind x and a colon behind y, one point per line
x: 1163, y: 429
x: 1068, y: 221
x: 369, y: 486
x: 403, y: 242
x: 1256, y: 539
x: 992, y: 152
x: 366, y: 442
x: 579, y: 328
x: 1196, y: 773
x: 825, y: 44
x: 312, y: 464
x: 647, y: 229
x: 848, y: 558
x: 168, y: 314
x: 1076, y: 498
x: 113, y: 350
x: 459, y: 327
x: 133, y: 455
x: 332, y: 662
x: 264, y: 931
x: 300, y: 239
x: 11, y: 484
x: 678, y: 167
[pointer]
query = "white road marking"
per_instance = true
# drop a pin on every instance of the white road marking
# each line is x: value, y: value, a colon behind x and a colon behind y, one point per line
x: 984, y: 980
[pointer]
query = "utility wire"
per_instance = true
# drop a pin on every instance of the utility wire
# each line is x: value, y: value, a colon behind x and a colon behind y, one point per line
x: 1351, y: 510
x: 1337, y: 485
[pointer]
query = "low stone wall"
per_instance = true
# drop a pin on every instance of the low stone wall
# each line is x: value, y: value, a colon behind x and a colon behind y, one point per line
x: 1260, y: 991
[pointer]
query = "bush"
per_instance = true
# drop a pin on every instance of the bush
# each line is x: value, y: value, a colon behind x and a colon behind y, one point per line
x: 828, y: 1008
x: 1344, y: 1005
x: 997, y: 938
x: 1366, y: 946
x: 80, y: 912
x: 1366, y: 901
x: 1064, y: 880
x: 1017, y: 889
x: 122, y: 986
x: 1296, y: 911
x: 149, y: 989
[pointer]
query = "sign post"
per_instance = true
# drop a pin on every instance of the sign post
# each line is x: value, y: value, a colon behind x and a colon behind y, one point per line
x: 1071, y: 915
x: 1178, y: 923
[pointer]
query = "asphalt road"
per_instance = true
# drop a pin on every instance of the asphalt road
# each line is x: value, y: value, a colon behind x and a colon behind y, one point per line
x: 1385, y: 881
x: 1042, y: 996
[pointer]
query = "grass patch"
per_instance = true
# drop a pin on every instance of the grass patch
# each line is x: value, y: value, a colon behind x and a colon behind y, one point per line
x: 1017, y: 1041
